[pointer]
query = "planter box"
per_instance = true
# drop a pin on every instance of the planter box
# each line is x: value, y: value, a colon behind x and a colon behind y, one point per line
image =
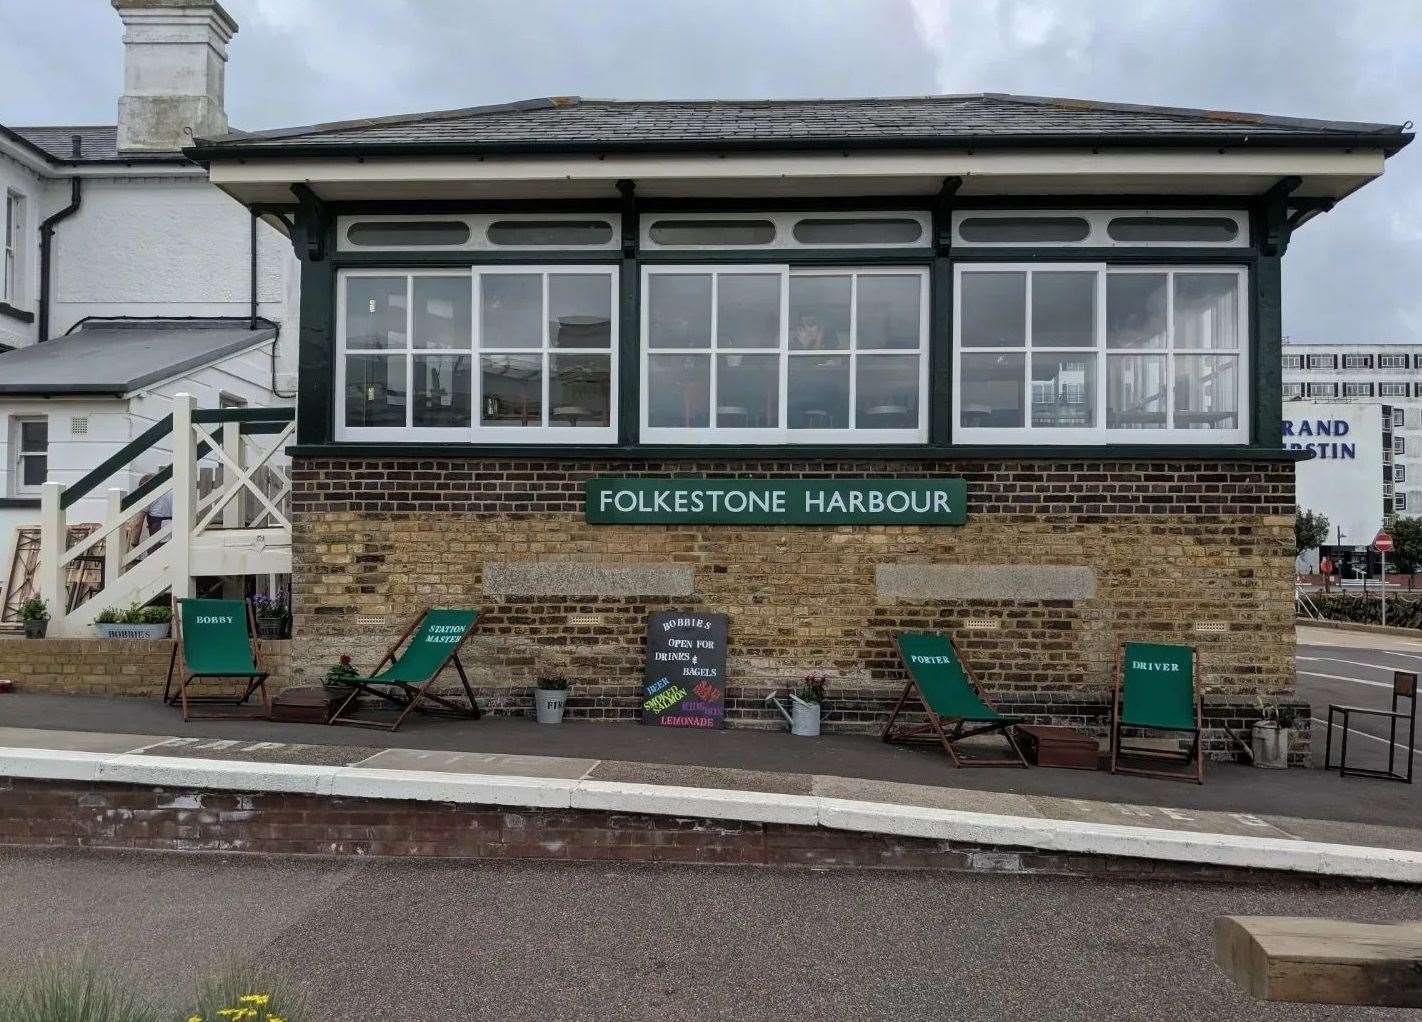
x: 309, y: 705
x: 1051, y: 746
x: 273, y: 627
x: 117, y: 631
x: 35, y: 629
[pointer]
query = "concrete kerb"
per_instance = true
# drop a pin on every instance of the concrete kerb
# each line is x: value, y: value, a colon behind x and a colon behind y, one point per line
x: 974, y: 828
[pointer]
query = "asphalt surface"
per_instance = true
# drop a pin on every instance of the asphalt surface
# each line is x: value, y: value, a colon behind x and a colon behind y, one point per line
x: 1356, y: 676
x: 432, y: 941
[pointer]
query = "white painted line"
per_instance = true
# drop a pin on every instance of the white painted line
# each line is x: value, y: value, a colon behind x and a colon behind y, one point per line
x: 1339, y: 677
x: 1362, y: 734
x: 1351, y: 663
x: 717, y: 803
x: 433, y: 786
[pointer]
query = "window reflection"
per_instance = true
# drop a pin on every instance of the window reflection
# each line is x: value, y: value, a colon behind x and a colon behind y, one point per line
x: 888, y: 306
x: 994, y: 310
x: 442, y: 313
x: 443, y: 390
x: 1206, y: 391
x: 1063, y: 390
x: 818, y: 392
x: 679, y: 310
x: 1136, y: 310
x: 375, y: 390
x: 992, y: 388
x: 579, y: 310
x: 679, y: 391
x: 579, y: 390
x: 512, y: 310
x: 512, y: 388
x: 1135, y: 392
x: 747, y: 391
x: 886, y: 392
x: 819, y: 313
x: 375, y: 312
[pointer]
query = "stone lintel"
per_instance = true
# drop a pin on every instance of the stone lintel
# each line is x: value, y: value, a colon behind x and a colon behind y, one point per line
x: 984, y: 582
x: 579, y: 578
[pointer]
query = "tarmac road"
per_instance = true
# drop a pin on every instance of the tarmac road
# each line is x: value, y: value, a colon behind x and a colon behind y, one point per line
x: 432, y: 941
x: 1357, y: 676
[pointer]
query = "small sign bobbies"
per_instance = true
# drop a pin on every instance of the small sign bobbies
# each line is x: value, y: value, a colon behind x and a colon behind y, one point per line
x: 685, y: 683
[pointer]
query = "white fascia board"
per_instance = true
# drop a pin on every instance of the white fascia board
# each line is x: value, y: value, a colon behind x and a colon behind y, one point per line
x: 240, y: 177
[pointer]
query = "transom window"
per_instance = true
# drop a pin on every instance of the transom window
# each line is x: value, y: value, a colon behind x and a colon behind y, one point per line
x: 784, y: 230
x: 29, y: 464
x: 1082, y: 353
x: 476, y: 232
x: 1102, y: 228
x: 766, y: 354
x: 513, y: 354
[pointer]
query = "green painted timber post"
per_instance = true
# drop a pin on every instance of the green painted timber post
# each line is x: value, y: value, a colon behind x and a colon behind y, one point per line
x: 317, y: 344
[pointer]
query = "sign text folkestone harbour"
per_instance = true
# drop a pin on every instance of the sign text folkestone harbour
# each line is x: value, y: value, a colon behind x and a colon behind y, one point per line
x: 777, y: 501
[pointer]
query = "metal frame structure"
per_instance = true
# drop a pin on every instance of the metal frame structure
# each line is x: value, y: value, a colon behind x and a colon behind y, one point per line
x: 1404, y: 685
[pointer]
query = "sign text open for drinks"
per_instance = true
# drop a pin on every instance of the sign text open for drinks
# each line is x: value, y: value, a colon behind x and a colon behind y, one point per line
x: 685, y: 684
x: 649, y: 501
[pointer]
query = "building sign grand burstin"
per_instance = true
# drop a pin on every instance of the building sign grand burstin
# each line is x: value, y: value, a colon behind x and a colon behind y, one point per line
x: 651, y: 501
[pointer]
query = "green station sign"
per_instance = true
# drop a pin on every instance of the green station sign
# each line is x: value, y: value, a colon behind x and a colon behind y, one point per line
x: 646, y: 501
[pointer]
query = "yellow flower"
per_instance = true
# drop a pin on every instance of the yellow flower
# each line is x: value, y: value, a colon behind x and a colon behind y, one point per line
x: 194, y: 1018
x: 273, y: 1018
x: 258, y: 999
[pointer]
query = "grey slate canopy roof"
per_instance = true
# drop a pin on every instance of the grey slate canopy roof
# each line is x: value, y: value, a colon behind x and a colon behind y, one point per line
x: 121, y: 356
x: 98, y: 143
x: 570, y: 123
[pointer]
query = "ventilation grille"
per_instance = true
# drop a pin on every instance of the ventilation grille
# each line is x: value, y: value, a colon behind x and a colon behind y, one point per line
x: 1211, y: 627
x: 982, y: 624
x: 584, y: 619
x: 79, y: 425
x: 371, y: 621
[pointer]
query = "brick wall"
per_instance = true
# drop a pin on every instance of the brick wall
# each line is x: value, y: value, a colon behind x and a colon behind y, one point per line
x: 1168, y: 542
x: 110, y: 667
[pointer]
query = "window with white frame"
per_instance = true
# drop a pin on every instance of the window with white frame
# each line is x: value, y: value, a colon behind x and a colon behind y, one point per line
x: 1399, y: 416
x: 12, y: 282
x: 1323, y: 361
x: 1083, y: 353
x: 1392, y: 361
x: 766, y: 354
x: 1357, y: 390
x: 1323, y: 390
x: 1101, y: 228
x: 1399, y: 445
x: 1293, y: 390
x: 29, y: 460
x: 1293, y: 361
x: 1392, y: 390
x: 1399, y: 473
x: 1399, y: 502
x: 1357, y: 361
x: 496, y: 354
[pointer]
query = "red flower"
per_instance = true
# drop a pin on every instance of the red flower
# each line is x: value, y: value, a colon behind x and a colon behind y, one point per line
x: 345, y: 660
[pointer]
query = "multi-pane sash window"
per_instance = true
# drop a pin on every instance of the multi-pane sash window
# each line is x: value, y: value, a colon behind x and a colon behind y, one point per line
x: 1079, y: 353
x: 1399, y: 445
x: 499, y: 354
x: 1323, y: 390
x: 1392, y: 390
x: 1399, y: 474
x: 766, y: 354
x: 1293, y: 390
x: 29, y: 466
x: 1293, y: 361
x: 1357, y: 390
x: 1399, y: 503
x: 1392, y: 361
x: 1399, y: 416
x: 1323, y: 361
x: 14, y: 247
x: 1357, y: 361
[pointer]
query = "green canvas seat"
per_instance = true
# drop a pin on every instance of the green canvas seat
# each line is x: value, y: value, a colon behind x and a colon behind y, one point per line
x: 949, y: 698
x: 1156, y: 691
x: 431, y: 643
x: 217, y: 639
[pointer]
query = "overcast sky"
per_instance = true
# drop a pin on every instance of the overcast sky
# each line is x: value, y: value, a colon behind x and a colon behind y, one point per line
x: 1354, y: 274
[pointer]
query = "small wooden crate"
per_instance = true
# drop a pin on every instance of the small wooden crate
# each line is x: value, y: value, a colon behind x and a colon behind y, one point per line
x: 1048, y: 745
x: 304, y: 705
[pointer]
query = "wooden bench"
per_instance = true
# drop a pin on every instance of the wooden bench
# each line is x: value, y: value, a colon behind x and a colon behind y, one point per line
x: 1322, y: 961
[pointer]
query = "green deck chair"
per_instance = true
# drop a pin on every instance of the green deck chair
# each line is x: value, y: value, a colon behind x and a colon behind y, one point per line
x: 218, y: 640
x: 1157, y: 690
x: 435, y: 637
x: 940, y: 679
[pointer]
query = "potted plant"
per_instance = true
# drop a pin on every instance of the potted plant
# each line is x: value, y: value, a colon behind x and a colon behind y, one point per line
x: 340, y: 678
x: 35, y: 615
x: 550, y: 695
x: 806, y: 704
x: 273, y: 616
x: 134, y: 623
x: 1269, y: 737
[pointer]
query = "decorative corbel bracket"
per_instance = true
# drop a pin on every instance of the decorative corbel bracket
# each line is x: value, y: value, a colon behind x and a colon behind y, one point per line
x: 1275, y: 225
x: 312, y: 218
x: 943, y: 215
x: 628, y: 190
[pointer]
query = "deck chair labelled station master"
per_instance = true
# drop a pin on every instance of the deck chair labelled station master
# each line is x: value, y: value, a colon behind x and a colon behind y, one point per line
x: 217, y: 639
x: 1157, y: 690
x: 432, y: 642
x: 951, y: 700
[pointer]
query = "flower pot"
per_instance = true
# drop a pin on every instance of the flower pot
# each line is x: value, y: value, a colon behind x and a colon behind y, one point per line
x: 1270, y: 745
x: 271, y: 628
x: 35, y: 627
x: 121, y: 631
x: 804, y: 717
x: 548, y: 704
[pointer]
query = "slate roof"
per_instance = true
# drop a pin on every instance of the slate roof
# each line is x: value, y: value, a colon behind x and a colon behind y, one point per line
x: 570, y: 123
x: 98, y: 143
x: 118, y: 357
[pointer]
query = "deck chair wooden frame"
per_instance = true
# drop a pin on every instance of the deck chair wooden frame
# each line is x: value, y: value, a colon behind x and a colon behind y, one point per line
x: 1193, y: 755
x: 256, y: 682
x: 947, y: 730
x: 407, y: 697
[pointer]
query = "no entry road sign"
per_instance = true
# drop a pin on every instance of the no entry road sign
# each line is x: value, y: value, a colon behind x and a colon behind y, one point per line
x: 1382, y: 542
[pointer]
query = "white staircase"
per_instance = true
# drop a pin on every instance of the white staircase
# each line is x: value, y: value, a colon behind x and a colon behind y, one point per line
x: 239, y: 527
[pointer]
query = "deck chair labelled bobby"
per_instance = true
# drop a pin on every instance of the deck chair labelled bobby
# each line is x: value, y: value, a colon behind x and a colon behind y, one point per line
x: 434, y: 640
x: 218, y: 640
x: 951, y: 700
x: 1157, y: 689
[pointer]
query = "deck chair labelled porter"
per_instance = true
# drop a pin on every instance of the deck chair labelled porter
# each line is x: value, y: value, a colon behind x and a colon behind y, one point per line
x: 434, y: 640
x: 1157, y: 689
x: 951, y: 700
x: 218, y: 640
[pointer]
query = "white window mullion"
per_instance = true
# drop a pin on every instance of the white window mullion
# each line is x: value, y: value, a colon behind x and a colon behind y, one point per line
x: 476, y: 373
x: 1102, y: 370
x: 1170, y: 350
x: 1027, y: 355
x: 712, y: 416
x: 547, y: 413
x: 853, y: 350
x: 409, y: 351
x: 783, y: 420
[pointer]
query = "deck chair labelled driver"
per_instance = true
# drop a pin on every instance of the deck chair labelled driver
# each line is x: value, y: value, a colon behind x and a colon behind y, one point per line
x: 1157, y: 690
x: 951, y: 700
x: 434, y: 639
x: 218, y: 640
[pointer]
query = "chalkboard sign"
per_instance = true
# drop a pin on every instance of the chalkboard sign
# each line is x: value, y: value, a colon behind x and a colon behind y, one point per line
x: 686, y: 670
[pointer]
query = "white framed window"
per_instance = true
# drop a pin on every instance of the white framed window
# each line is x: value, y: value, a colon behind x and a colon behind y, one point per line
x: 1293, y: 390
x: 1101, y: 228
x: 1399, y: 416
x: 762, y: 353
x: 12, y: 273
x: 1392, y: 361
x: 1399, y: 473
x: 781, y: 230
x: 1323, y: 361
x: 1357, y: 389
x: 1083, y: 353
x: 1293, y: 361
x: 492, y: 354
x: 477, y: 232
x: 1357, y: 361
x: 1323, y: 390
x: 1399, y: 445
x: 29, y: 459
x: 1399, y: 503
x: 1392, y: 390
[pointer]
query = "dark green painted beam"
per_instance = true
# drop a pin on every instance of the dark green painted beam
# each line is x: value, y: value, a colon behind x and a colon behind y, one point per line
x: 123, y: 456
